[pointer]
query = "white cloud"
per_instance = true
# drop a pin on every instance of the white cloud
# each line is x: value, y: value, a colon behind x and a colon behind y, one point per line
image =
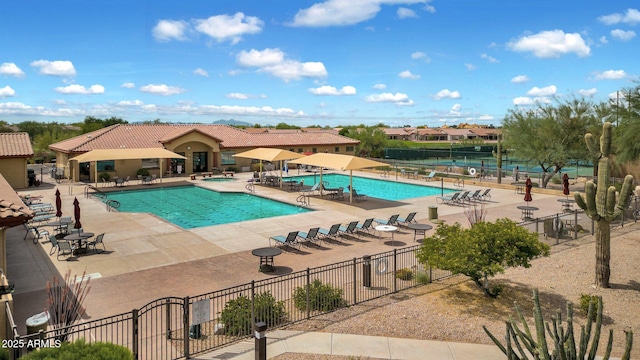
x: 379, y: 86
x: 545, y: 91
x: 55, y: 68
x: 341, y: 13
x: 167, y: 30
x: 446, y: 94
x: 237, y: 96
x: 130, y: 103
x: 429, y: 8
x: 631, y: 17
x: 404, y: 13
x: 611, y: 75
x: 603, y: 40
x: 7, y: 91
x: 11, y: 69
x: 229, y: 28
x: 455, y: 110
x: 485, y: 118
x: 551, y: 44
x: 273, y: 61
x: 587, y: 92
x: 523, y: 101
x: 397, y: 98
x: 520, y: 79
x: 128, y: 85
x: 74, y: 89
x: 490, y: 59
x: 470, y: 67
x: 161, y: 89
x: 248, y: 110
x: 330, y: 90
x: 201, y: 72
x: 418, y: 55
x: 623, y: 35
x: 408, y: 75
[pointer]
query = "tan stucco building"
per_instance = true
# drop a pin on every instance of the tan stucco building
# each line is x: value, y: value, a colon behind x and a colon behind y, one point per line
x: 15, y: 151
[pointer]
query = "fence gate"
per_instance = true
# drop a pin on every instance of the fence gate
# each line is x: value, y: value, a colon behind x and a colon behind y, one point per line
x: 160, y: 329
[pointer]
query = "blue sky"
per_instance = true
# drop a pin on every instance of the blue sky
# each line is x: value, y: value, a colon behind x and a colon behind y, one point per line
x: 333, y: 62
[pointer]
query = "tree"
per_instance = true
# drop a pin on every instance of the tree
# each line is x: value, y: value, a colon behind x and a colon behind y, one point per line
x: 627, y: 114
x: 286, y: 126
x: 550, y: 135
x: 92, y: 124
x: 482, y: 251
x: 599, y: 202
x: 372, y: 141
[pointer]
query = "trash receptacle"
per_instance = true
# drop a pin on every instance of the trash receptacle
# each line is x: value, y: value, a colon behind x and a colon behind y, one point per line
x: 31, y: 174
x: 37, y: 322
x: 433, y: 213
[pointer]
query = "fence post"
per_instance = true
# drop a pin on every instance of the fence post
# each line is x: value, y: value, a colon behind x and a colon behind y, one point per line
x: 355, y: 279
x: 185, y: 325
x: 308, y: 290
x: 537, y: 226
x: 593, y: 226
x: 557, y: 229
x: 395, y: 258
x: 253, y: 301
x: 134, y: 333
x: 168, y: 316
x: 575, y: 221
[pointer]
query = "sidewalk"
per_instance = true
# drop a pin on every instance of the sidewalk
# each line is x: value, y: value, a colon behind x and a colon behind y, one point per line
x: 358, y: 346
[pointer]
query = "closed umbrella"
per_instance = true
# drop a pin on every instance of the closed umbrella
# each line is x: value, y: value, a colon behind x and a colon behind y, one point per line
x: 58, y: 204
x: 76, y: 213
x: 565, y: 184
x: 527, y: 194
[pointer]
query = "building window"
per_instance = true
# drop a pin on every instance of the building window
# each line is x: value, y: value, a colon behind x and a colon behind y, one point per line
x: 227, y: 158
x: 106, y: 165
x: 337, y: 149
x: 150, y: 163
x: 314, y: 150
x: 349, y: 148
x: 292, y: 149
x: 299, y: 150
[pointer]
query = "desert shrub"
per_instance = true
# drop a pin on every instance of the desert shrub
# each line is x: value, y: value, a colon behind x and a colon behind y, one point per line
x: 232, y: 168
x: 105, y: 176
x: 143, y: 172
x: 322, y: 297
x: 423, y: 277
x: 585, y: 299
x: 556, y: 180
x: 236, y: 315
x: 404, y: 274
x: 80, y: 350
x: 5, y: 354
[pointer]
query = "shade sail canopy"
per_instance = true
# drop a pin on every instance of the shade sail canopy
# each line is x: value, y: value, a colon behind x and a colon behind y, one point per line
x: 269, y: 154
x: 338, y: 161
x: 126, y: 154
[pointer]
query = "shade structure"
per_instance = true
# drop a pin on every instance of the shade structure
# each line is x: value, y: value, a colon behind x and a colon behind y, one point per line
x: 76, y: 214
x: 126, y: 154
x: 339, y: 162
x: 58, y: 203
x: 527, y: 194
x: 270, y: 154
x: 565, y: 184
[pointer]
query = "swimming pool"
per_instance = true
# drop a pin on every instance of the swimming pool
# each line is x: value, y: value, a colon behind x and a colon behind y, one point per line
x: 382, y: 189
x: 220, y: 179
x: 192, y: 206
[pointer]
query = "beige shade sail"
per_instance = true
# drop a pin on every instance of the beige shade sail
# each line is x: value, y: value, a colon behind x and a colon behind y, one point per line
x: 270, y: 154
x: 339, y: 162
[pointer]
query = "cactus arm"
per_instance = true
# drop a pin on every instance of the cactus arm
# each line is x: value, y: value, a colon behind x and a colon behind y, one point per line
x: 495, y: 340
x: 629, y: 344
x: 596, y: 334
x: 591, y: 209
x: 610, y: 203
x: 625, y: 194
x: 605, y: 139
x: 540, y: 331
x: 609, y: 346
x: 583, y: 341
x: 571, y: 347
x: 592, y: 146
x: 580, y: 201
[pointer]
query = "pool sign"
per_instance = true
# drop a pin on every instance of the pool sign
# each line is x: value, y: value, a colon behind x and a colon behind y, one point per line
x: 201, y: 312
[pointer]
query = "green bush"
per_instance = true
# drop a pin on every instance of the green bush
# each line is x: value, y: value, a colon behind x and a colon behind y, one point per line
x: 423, y: 278
x: 236, y: 315
x: 322, y: 297
x: 80, y: 350
x: 143, y: 172
x: 404, y: 274
x: 231, y: 168
x: 5, y: 354
x: 585, y: 299
x: 105, y: 176
x: 556, y: 180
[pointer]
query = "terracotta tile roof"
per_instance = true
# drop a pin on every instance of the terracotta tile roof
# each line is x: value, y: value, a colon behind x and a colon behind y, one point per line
x: 485, y: 132
x: 15, y: 145
x: 430, y: 132
x: 150, y: 136
x: 13, y: 211
x: 397, y: 131
x: 452, y: 131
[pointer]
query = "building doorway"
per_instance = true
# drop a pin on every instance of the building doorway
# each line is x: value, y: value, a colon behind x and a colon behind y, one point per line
x: 177, y: 165
x: 200, y: 161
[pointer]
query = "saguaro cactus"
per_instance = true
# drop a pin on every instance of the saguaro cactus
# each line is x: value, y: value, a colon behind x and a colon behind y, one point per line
x: 498, y: 155
x: 599, y: 202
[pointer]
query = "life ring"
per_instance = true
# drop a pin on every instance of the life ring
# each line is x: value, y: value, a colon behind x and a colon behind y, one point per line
x: 381, y: 266
x: 472, y: 171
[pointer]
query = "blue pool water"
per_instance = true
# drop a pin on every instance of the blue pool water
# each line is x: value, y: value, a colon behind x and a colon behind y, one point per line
x: 382, y: 189
x: 192, y: 206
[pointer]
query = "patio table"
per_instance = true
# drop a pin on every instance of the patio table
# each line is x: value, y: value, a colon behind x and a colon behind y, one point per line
x: 79, y: 238
x: 387, y: 228
x: 266, y: 256
x: 419, y: 229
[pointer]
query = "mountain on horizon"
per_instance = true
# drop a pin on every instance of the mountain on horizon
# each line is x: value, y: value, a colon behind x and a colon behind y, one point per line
x: 233, y: 122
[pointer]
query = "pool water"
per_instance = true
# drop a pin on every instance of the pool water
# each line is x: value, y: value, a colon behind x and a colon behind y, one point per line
x: 192, y: 206
x: 219, y: 179
x: 381, y: 189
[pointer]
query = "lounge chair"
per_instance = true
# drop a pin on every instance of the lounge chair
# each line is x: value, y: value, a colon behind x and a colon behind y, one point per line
x: 464, y: 197
x: 430, y: 176
x: 332, y: 232
x: 289, y: 240
x: 486, y: 194
x: 349, y: 229
x: 448, y: 199
x: 409, y: 219
x: 366, y: 225
x: 312, y: 235
x: 475, y: 196
x: 310, y: 191
x: 392, y: 220
x: 97, y: 241
x: 358, y: 197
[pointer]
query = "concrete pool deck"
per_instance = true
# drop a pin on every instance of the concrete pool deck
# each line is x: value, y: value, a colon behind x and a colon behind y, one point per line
x: 148, y: 258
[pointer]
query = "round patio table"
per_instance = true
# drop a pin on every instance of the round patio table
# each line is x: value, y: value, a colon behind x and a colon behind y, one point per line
x: 419, y: 229
x: 567, y: 204
x: 79, y: 238
x: 387, y: 228
x: 266, y: 255
x: 527, y: 212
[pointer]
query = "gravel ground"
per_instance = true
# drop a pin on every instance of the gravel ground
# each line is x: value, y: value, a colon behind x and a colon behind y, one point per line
x: 455, y: 309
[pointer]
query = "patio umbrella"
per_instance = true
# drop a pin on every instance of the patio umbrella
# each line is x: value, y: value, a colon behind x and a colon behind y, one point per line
x: 527, y: 194
x: 270, y: 154
x: 76, y: 213
x: 565, y: 184
x: 340, y: 162
x: 58, y: 203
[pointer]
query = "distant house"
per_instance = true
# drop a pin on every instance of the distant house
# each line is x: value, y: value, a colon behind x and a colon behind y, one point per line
x: 399, y: 133
x: 15, y: 151
x: 458, y: 134
x: 485, y: 133
x: 430, y: 135
x: 206, y: 147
